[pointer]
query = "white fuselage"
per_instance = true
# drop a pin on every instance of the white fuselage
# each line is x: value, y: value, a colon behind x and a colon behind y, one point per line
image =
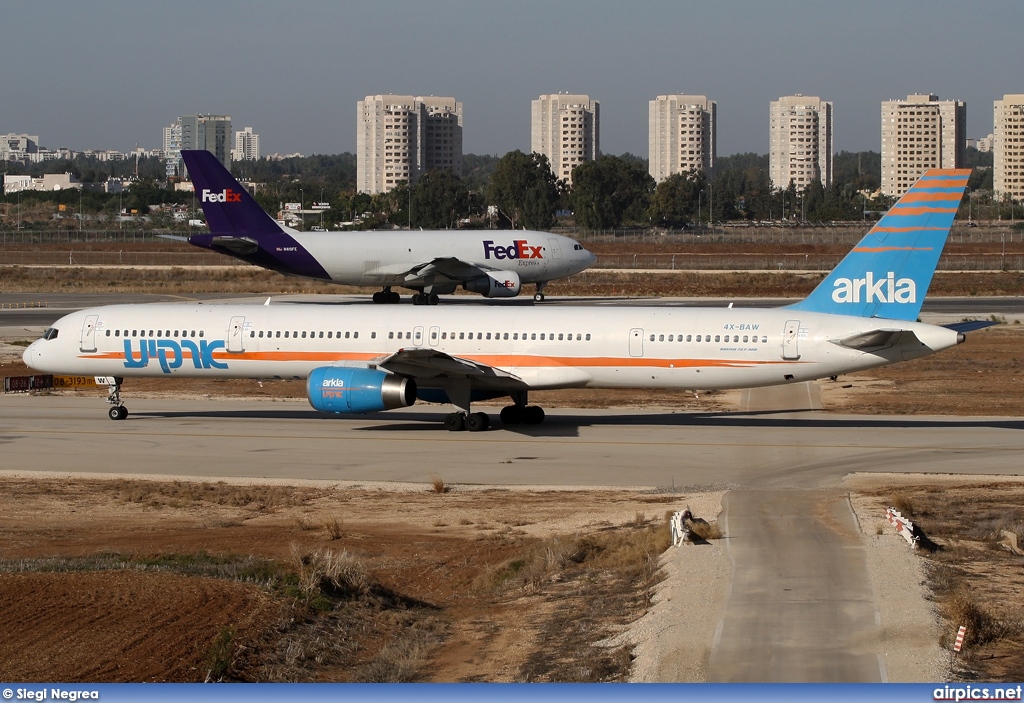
x: 386, y: 257
x: 558, y: 347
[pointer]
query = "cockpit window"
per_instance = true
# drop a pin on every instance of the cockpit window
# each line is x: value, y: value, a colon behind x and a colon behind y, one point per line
x: 50, y: 333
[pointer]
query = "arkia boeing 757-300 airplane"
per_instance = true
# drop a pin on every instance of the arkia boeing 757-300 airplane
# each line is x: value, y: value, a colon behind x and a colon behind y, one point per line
x: 362, y: 359
x: 493, y: 263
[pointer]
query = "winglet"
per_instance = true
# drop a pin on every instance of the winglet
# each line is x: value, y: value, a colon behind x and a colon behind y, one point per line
x: 888, y: 273
x: 228, y: 207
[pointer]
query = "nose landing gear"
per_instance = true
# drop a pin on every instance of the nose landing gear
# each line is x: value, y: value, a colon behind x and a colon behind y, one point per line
x: 117, y: 409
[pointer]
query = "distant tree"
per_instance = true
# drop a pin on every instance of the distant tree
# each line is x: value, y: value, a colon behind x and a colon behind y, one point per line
x: 524, y: 190
x: 439, y: 200
x: 676, y: 199
x: 477, y: 170
x: 610, y: 190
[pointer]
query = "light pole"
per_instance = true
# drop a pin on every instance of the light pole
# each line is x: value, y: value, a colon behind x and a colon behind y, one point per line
x: 79, y: 210
x: 302, y: 218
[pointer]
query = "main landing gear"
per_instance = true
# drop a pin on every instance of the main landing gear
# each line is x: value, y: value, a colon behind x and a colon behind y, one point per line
x: 425, y: 299
x: 518, y: 414
x: 387, y: 297
x: 117, y: 409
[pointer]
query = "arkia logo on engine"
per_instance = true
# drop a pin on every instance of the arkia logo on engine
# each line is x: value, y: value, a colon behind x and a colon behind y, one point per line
x: 868, y: 290
x: 225, y: 196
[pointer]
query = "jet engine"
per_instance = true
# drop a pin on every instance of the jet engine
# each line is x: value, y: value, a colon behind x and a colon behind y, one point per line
x: 355, y: 391
x: 494, y: 284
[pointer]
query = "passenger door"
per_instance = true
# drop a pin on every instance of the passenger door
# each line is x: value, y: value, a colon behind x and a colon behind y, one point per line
x: 236, y: 335
x: 790, y: 340
x: 88, y: 340
x: 636, y: 342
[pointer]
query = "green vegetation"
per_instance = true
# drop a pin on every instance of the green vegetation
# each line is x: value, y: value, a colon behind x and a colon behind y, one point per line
x: 608, y: 193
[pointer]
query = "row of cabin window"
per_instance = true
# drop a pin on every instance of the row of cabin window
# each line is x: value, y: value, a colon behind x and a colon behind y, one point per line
x: 707, y: 338
x: 158, y: 333
x: 312, y: 335
x: 515, y: 336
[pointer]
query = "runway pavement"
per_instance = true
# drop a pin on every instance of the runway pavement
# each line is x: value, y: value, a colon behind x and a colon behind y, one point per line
x: 619, y: 447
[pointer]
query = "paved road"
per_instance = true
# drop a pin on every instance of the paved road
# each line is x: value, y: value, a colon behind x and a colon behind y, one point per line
x: 800, y: 607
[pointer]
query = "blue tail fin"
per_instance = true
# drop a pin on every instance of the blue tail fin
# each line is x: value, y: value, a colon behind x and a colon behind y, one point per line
x: 888, y: 272
x: 228, y: 206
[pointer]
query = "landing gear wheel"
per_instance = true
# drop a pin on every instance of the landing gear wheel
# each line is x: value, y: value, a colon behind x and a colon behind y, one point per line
x: 378, y: 297
x: 477, y: 422
x: 419, y: 299
x: 538, y: 297
x: 455, y: 422
x: 511, y: 415
x: 432, y: 299
x: 393, y: 298
x: 117, y: 412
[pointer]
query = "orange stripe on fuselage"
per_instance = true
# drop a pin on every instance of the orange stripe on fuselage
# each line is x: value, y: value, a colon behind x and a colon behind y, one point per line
x: 494, y: 360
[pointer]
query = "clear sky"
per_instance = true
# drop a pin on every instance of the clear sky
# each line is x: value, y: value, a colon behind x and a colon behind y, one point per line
x: 104, y: 74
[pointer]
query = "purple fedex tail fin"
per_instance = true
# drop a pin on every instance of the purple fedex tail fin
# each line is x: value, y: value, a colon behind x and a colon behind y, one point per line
x: 228, y: 206
x: 239, y: 227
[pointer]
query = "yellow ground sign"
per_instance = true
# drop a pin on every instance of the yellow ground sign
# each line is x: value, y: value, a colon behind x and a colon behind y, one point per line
x: 74, y: 381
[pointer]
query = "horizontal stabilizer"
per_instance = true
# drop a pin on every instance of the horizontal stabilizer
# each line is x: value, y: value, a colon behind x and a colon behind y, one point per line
x: 878, y: 339
x: 238, y: 245
x: 970, y: 325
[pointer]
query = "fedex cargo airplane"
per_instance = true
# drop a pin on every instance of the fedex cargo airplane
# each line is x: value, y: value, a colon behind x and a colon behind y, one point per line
x: 361, y: 359
x: 493, y: 263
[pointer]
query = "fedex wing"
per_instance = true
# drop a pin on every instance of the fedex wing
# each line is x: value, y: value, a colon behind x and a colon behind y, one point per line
x: 495, y: 264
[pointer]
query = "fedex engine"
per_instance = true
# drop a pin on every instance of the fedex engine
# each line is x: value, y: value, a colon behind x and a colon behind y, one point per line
x: 356, y: 391
x: 494, y: 284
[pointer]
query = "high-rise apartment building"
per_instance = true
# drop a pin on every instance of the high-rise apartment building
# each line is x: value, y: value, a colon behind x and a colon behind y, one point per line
x: 1008, y: 147
x: 681, y: 135
x: 801, y: 142
x: 247, y: 145
x: 920, y: 133
x: 209, y: 132
x: 401, y: 137
x: 566, y: 129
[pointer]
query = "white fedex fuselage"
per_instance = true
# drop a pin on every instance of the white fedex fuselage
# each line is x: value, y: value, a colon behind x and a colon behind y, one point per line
x: 386, y: 258
x: 529, y: 348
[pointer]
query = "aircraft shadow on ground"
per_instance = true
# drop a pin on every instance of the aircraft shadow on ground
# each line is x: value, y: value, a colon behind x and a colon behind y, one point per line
x: 569, y: 425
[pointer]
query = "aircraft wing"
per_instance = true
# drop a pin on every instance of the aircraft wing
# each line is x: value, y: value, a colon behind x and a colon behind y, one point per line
x: 424, y: 364
x: 444, y: 269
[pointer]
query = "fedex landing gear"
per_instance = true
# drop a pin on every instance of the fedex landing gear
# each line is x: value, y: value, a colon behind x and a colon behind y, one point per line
x: 117, y: 409
x: 539, y: 295
x: 387, y: 297
x: 425, y: 299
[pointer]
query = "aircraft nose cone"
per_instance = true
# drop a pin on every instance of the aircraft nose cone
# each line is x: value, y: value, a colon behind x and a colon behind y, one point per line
x: 29, y: 356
